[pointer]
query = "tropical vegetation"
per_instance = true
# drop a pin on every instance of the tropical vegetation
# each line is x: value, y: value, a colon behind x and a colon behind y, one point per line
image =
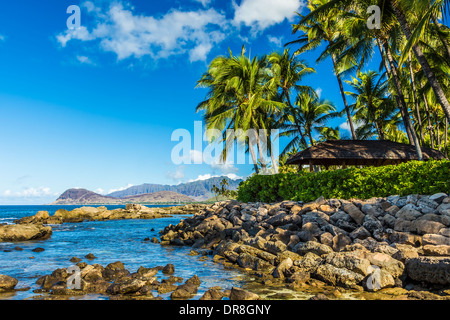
x: 406, y: 99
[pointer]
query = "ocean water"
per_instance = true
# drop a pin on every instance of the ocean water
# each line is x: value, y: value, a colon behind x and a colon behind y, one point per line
x: 109, y: 241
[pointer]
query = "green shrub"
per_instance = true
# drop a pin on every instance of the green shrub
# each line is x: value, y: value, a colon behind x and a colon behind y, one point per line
x: 414, y: 177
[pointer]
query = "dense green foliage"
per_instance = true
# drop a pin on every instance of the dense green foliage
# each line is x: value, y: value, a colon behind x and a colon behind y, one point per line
x: 413, y: 177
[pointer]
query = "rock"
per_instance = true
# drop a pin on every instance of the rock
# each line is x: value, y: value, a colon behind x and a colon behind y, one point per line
x: 241, y: 294
x: 360, y: 233
x: 424, y: 226
x: 389, y: 221
x: 169, y: 269
x: 312, y: 246
x: 438, y: 197
x: 319, y: 296
x: 75, y: 259
x: 405, y: 252
x: 349, y: 261
x: 114, y: 270
x: 435, y: 270
x: 405, y: 238
x: 186, y: 290
x: 340, y: 241
x: 24, y: 232
x: 90, y: 256
x: 404, y: 226
x: 38, y: 249
x: 354, y: 212
x: 299, y: 277
x: 445, y: 232
x: 7, y: 283
x: 384, y: 261
x: 440, y: 250
x: 338, y: 276
x: 282, y: 268
x: 444, y: 209
x: 435, y: 239
x: 125, y: 285
x: 326, y: 239
x: 248, y: 261
x: 309, y: 262
x: 212, y: 294
x: 155, y: 240
x: 408, y: 212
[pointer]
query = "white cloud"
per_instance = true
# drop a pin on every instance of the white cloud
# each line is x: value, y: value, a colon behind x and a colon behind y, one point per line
x: 346, y: 125
x: 127, y: 34
x: 204, y: 3
x: 275, y: 40
x: 99, y: 191
x: 2, y: 37
x: 207, y: 176
x: 84, y: 60
x: 319, y: 92
x: 177, y: 175
x: 261, y: 14
x: 119, y: 189
x: 30, y: 192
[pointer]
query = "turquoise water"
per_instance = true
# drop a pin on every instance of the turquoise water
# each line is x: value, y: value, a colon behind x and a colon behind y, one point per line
x: 109, y: 241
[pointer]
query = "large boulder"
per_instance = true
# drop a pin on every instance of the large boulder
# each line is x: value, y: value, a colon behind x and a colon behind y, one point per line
x: 7, y: 283
x: 312, y: 246
x: 338, y: 276
x: 241, y: 294
x: 24, y: 232
x: 435, y: 270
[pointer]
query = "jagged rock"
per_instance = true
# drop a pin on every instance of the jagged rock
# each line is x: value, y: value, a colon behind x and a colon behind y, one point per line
x: 24, y: 232
x: 438, y: 197
x: 212, y: 294
x: 7, y: 283
x: 425, y: 226
x: 282, y: 268
x: 349, y: 261
x: 338, y: 276
x: 360, y: 233
x: 241, y: 294
x: 312, y: 246
x: 340, y: 241
x: 309, y: 262
x: 354, y: 212
x: 125, y: 285
x: 435, y: 270
x: 408, y: 212
x: 435, y: 239
x: 405, y: 252
x: 440, y: 250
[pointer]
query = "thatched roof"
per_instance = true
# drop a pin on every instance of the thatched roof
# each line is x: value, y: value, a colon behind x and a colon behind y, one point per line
x: 360, y: 152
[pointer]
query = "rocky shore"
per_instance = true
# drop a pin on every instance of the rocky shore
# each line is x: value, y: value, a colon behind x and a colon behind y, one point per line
x: 117, y: 283
x: 131, y: 211
x: 382, y: 244
x: 38, y: 227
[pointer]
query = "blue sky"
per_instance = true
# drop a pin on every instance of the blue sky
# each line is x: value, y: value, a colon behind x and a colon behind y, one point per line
x: 95, y: 107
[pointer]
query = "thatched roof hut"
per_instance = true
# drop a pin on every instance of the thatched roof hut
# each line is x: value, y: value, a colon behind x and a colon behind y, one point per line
x: 360, y: 152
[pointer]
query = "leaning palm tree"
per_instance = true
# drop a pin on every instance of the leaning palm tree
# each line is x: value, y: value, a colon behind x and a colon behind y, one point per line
x: 240, y: 93
x: 324, y: 30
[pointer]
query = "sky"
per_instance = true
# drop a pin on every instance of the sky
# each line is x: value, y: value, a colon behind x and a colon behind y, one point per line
x: 95, y: 107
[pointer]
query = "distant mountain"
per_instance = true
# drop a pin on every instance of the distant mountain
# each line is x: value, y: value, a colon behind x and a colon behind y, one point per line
x: 86, y: 197
x: 198, y: 190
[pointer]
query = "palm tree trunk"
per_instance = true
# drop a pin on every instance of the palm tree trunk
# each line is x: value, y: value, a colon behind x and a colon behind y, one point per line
x: 252, y: 153
x: 260, y: 152
x: 432, y: 80
x: 416, y: 101
x: 446, y: 138
x: 430, y: 127
x: 412, y: 136
x: 274, y: 163
x: 347, y: 109
x: 302, y: 138
x: 438, y: 133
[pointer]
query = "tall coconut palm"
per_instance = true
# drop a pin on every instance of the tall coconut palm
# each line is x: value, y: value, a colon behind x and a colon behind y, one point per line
x: 317, y: 32
x: 312, y: 113
x: 239, y: 96
x: 372, y: 106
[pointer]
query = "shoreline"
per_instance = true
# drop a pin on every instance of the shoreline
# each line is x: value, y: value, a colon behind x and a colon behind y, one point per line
x: 326, y: 249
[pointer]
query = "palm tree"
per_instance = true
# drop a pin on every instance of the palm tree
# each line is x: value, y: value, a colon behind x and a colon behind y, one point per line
x: 318, y: 31
x: 287, y: 71
x: 239, y: 96
x: 373, y: 105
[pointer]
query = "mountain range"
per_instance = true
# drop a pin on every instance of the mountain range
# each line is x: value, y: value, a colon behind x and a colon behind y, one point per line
x: 199, y: 190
